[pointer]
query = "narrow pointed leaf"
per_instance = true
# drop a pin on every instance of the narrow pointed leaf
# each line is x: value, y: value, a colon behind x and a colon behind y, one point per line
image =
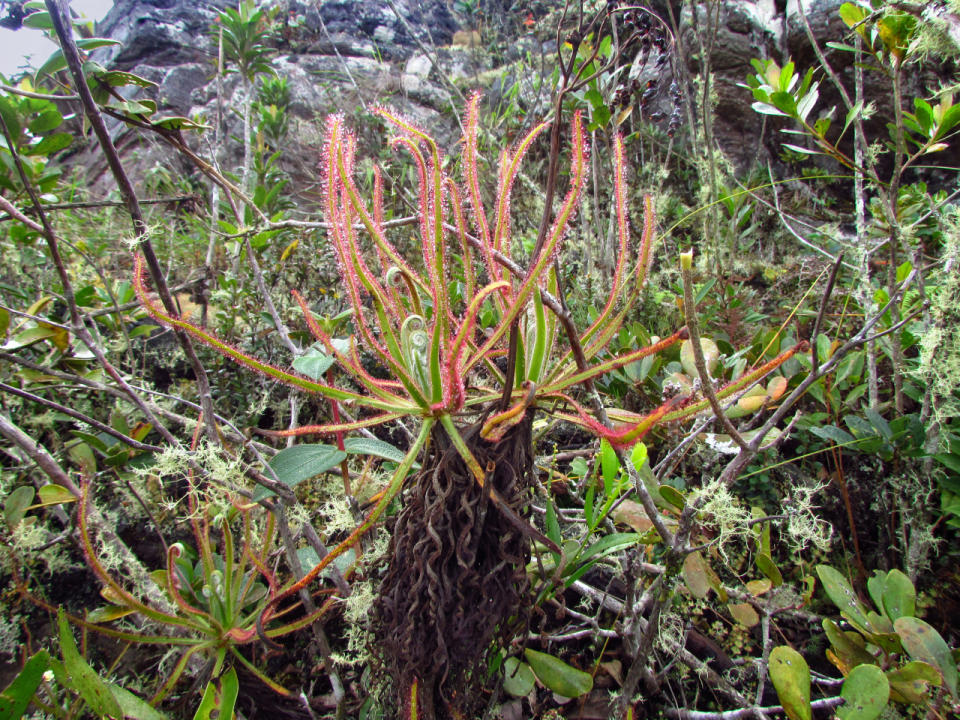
x: 17, y: 695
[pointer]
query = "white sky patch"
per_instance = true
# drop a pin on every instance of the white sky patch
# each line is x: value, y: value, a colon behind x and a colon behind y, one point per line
x: 27, y: 47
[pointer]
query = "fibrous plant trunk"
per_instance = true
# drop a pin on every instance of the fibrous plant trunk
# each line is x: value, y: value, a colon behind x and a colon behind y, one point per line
x: 456, y: 583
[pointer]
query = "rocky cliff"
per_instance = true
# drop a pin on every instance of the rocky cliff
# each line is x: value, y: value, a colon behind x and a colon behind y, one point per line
x: 421, y: 56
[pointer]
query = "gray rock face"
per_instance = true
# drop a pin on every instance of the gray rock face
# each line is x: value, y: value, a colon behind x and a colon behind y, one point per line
x: 348, y: 55
x: 158, y: 32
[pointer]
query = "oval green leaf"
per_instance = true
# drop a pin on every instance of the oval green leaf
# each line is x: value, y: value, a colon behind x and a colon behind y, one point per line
x: 899, y: 596
x: 791, y: 678
x: 841, y: 594
x: 865, y: 693
x: 295, y: 464
x: 16, y: 504
x: 55, y: 495
x: 925, y: 644
x: 558, y: 676
x: 518, y: 678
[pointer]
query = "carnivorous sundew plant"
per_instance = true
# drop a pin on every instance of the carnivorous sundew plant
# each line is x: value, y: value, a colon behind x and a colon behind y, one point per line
x: 456, y: 578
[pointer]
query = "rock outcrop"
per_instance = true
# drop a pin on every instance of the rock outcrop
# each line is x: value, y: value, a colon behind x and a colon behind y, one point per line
x: 349, y: 55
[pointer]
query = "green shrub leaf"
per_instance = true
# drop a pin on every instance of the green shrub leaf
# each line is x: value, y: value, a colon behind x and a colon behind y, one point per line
x: 295, y: 464
x: 518, y: 678
x: 924, y: 643
x: 16, y: 697
x: 791, y: 678
x: 865, y: 693
x: 84, y: 678
x: 558, y: 676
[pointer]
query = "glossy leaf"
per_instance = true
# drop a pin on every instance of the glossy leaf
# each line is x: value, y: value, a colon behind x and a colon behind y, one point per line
x: 518, y: 677
x: 848, y: 648
x: 865, y: 693
x: 558, y: 676
x: 924, y: 643
x: 911, y: 683
x: 841, y: 594
x: 899, y: 596
x: 672, y: 496
x: 55, y: 495
x: 768, y: 567
x: 791, y: 678
x: 17, y: 695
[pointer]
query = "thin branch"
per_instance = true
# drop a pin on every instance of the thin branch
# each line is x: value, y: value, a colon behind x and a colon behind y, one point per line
x: 102, y: 427
x: 693, y: 327
x: 57, y: 10
x: 36, y: 95
x: 746, y: 712
x: 105, y: 203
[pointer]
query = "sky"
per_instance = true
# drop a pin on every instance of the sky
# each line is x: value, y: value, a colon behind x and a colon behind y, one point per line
x: 14, y: 45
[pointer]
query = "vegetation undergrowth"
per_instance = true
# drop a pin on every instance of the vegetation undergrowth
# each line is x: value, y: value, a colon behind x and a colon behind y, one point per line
x: 566, y: 466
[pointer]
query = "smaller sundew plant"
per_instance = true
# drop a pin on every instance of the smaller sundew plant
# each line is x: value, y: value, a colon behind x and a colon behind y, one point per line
x: 217, y: 590
x: 441, y: 366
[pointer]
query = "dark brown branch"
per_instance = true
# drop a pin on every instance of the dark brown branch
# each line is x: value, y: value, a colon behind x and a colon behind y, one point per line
x: 62, y: 27
x: 102, y: 427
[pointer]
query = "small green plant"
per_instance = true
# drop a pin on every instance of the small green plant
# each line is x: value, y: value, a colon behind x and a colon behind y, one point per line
x: 216, y: 590
x: 887, y: 655
x: 70, y: 687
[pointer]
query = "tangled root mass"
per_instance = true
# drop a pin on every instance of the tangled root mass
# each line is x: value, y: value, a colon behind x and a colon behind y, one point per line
x: 456, y: 580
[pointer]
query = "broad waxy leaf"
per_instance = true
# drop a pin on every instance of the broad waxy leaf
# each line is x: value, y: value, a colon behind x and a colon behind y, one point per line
x: 865, y: 693
x: 899, y: 596
x: 791, y: 678
x: 924, y: 643
x: 848, y: 648
x: 911, y: 683
x: 558, y: 676
x: 842, y: 595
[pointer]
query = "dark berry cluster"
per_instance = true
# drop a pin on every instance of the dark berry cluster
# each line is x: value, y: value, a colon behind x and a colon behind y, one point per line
x: 677, y: 96
x: 652, y: 45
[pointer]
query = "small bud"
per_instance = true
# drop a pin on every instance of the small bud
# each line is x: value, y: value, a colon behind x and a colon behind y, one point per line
x: 686, y: 261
